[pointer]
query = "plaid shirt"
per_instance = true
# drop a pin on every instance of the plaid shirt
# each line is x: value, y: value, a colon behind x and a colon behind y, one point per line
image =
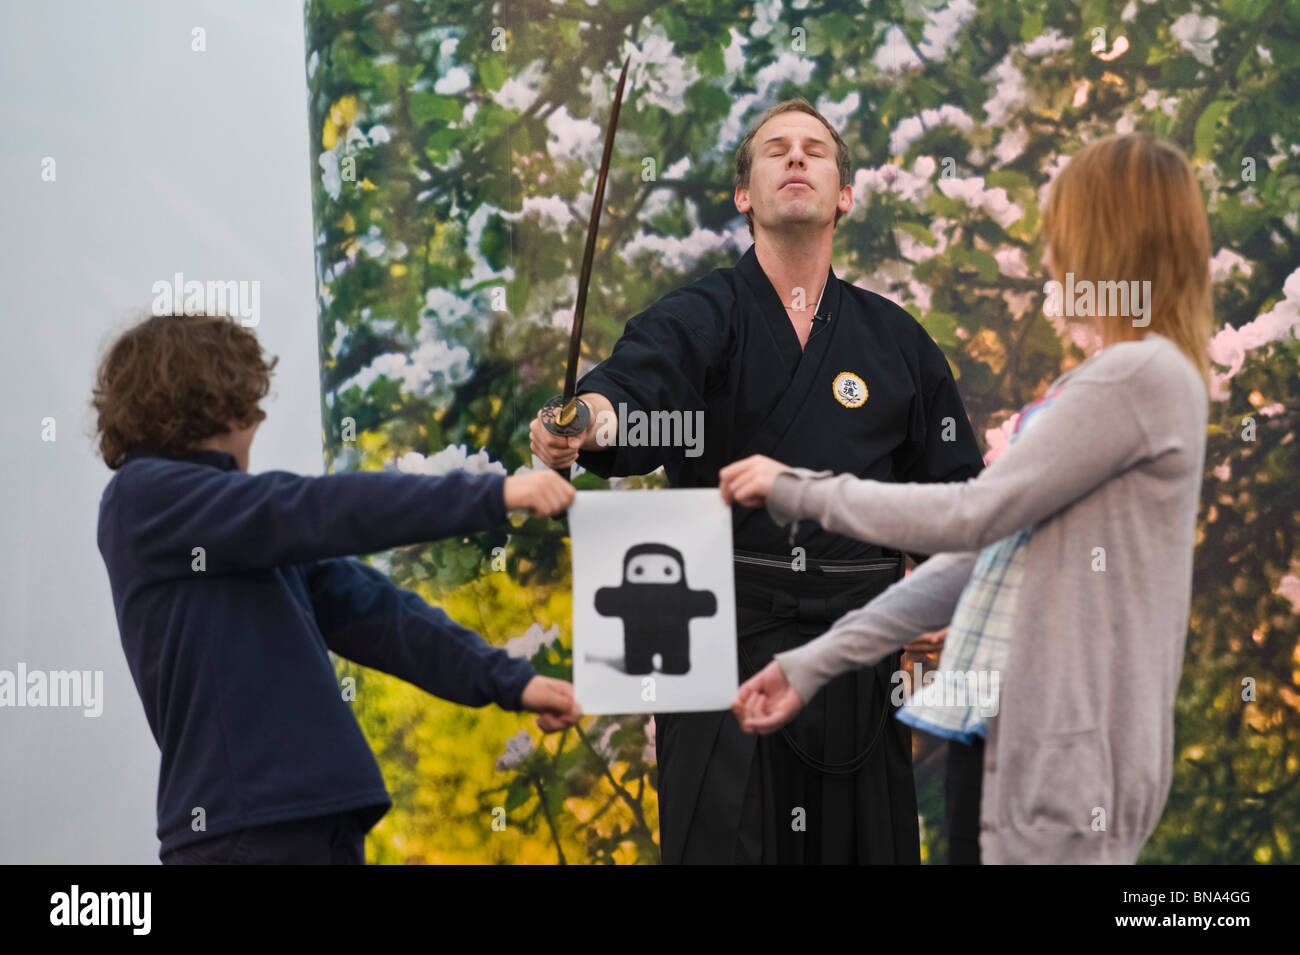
x: 962, y: 694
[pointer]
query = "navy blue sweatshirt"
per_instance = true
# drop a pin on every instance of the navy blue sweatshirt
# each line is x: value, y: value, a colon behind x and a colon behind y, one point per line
x: 232, y: 662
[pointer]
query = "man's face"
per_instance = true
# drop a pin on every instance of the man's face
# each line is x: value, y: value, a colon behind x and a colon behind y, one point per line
x: 794, y: 183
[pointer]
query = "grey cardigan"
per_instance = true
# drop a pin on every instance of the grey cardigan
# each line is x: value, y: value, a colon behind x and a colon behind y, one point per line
x: 1078, y: 760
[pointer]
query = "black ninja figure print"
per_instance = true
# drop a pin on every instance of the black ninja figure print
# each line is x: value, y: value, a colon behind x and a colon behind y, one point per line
x: 657, y: 607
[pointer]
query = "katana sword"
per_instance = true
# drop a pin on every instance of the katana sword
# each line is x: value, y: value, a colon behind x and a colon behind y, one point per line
x: 566, y: 414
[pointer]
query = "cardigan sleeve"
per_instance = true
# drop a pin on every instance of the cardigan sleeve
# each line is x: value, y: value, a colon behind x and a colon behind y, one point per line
x: 921, y: 602
x: 1091, y: 432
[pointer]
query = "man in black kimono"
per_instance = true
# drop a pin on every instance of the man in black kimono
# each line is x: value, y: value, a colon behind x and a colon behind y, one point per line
x: 786, y: 360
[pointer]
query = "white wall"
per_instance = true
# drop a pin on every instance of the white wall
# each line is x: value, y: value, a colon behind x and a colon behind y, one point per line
x: 167, y: 160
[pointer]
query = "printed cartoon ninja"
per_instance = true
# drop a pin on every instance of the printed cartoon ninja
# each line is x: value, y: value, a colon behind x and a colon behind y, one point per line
x: 656, y: 606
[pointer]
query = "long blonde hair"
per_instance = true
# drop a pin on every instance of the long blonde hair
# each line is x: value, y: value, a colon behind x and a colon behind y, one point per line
x: 1128, y: 208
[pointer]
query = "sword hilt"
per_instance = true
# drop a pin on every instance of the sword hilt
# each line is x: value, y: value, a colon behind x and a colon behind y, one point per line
x: 566, y: 419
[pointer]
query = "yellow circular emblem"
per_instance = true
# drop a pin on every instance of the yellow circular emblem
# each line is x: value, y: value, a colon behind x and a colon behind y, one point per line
x: 850, y: 390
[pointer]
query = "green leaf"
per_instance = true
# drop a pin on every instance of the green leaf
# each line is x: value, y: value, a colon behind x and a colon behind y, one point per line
x: 555, y: 796
x: 1031, y: 27
x: 495, y: 243
x: 520, y: 289
x: 977, y: 260
x: 518, y: 793
x: 571, y: 759
x: 428, y: 107
x: 711, y: 62
x: 1008, y: 179
x: 919, y: 232
x: 492, y: 73
x: 942, y: 327
x: 709, y: 102
x: 1247, y: 10
x: 1207, y: 127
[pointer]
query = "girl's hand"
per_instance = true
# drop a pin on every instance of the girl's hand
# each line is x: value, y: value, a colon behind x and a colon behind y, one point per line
x: 748, y: 481
x: 766, y: 701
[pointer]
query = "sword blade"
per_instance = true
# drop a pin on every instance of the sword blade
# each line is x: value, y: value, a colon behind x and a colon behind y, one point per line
x: 584, y: 277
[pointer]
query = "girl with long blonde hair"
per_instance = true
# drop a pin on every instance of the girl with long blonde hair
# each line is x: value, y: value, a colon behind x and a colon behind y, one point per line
x: 1063, y: 571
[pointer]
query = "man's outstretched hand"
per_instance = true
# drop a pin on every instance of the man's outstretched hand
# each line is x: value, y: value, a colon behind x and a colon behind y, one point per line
x: 766, y: 701
x: 553, y: 700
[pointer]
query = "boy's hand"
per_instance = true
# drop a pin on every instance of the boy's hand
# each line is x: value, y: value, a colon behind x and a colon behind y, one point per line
x: 553, y: 699
x: 543, y: 493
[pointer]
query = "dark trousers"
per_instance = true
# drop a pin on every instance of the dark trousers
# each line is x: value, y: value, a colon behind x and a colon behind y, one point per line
x: 337, y: 839
x: 962, y: 795
x: 835, y: 785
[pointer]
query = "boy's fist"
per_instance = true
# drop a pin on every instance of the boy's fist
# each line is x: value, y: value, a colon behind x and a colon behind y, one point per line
x: 543, y: 493
x: 553, y: 699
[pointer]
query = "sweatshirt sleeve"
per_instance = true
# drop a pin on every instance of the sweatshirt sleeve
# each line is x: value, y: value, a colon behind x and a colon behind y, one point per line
x: 247, y: 522
x: 921, y: 602
x: 1091, y: 432
x: 368, y: 619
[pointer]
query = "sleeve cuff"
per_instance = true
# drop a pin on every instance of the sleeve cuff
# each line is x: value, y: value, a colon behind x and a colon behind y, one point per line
x: 798, y: 670
x: 785, y: 500
x: 497, y: 499
x: 511, y: 690
x: 612, y: 461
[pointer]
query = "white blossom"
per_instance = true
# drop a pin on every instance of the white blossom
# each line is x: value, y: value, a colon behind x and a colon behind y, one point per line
x: 1049, y: 42
x: 1224, y: 262
x: 455, y: 80
x: 942, y: 26
x: 677, y: 254
x: 1009, y: 94
x: 895, y: 55
x: 910, y: 129
x: 330, y: 178
x: 534, y: 639
x: 994, y: 201
x: 518, y: 748
x: 1196, y: 35
x: 454, y: 457
x: 1230, y: 345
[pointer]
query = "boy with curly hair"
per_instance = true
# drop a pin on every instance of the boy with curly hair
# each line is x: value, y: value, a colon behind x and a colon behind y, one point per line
x: 231, y: 588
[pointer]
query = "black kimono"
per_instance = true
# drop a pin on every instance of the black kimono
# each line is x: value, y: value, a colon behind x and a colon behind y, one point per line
x: 870, y: 394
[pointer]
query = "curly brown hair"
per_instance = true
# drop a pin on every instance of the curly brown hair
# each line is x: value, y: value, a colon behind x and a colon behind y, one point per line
x: 170, y: 381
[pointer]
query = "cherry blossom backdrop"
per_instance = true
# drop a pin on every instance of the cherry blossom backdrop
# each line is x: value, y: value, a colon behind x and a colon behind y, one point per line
x: 455, y: 146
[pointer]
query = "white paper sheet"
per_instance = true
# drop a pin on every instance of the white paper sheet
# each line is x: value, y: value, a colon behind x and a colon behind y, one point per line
x: 648, y: 638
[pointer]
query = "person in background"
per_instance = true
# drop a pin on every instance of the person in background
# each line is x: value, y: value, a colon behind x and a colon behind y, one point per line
x: 780, y: 356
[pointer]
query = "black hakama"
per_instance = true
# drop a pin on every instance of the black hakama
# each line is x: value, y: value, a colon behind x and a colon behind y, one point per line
x: 870, y: 394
